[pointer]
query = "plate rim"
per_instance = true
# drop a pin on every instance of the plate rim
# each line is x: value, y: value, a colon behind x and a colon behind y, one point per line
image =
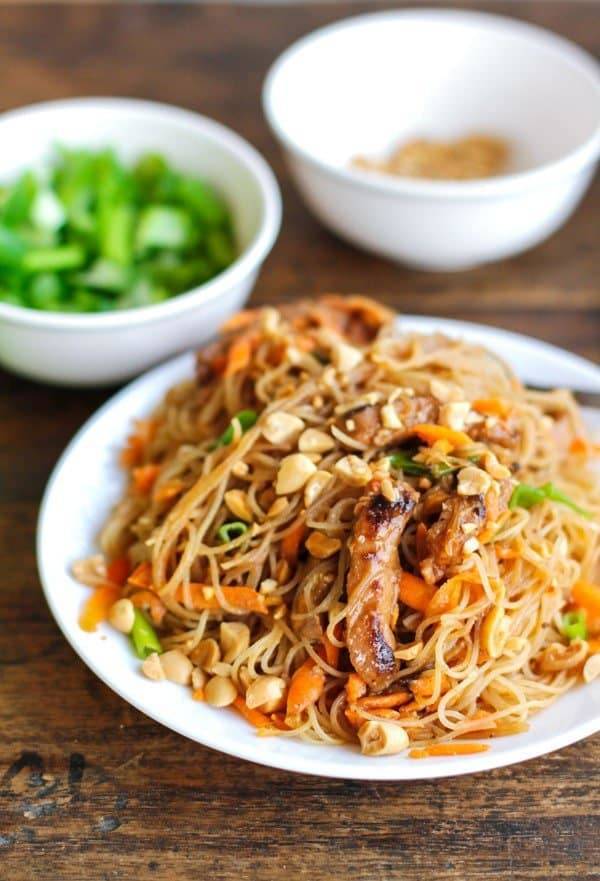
x: 375, y: 771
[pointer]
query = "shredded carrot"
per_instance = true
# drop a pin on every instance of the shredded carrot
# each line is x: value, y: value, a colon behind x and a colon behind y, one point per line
x: 97, y: 607
x: 291, y: 542
x: 144, y: 477
x: 594, y: 646
x: 587, y: 595
x: 147, y: 599
x: 503, y: 552
x: 376, y: 701
x: 306, y: 688
x: 354, y: 717
x: 141, y: 575
x: 446, y: 598
x: 430, y: 433
x: 137, y: 442
x: 415, y: 592
x: 422, y: 688
x: 255, y: 717
x: 409, y: 709
x: 198, y: 694
x: 278, y: 720
x: 168, y: 490
x: 329, y: 652
x: 355, y: 688
x: 118, y: 570
x: 448, y: 749
x: 203, y: 596
x: 384, y: 713
x: 239, y: 320
x: 579, y: 446
x: 492, y: 407
x: 238, y: 356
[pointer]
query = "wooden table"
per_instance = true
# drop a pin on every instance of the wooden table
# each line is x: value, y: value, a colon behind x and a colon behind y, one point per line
x: 92, y: 789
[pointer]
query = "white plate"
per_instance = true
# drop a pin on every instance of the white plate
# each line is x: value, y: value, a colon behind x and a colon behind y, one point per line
x: 87, y: 482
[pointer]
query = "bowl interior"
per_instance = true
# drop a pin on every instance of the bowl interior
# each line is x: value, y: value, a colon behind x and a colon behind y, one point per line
x: 191, y: 144
x: 364, y: 85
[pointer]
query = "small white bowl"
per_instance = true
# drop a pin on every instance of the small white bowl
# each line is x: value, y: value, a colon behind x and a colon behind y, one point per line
x: 95, y: 349
x: 363, y: 85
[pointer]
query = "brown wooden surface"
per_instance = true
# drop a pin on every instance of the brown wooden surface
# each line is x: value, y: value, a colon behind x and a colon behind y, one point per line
x: 90, y: 788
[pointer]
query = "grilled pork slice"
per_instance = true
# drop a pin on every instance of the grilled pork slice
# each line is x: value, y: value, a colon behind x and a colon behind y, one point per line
x: 372, y: 583
x: 460, y: 518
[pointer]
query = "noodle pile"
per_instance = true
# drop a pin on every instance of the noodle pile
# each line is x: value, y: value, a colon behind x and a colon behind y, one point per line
x: 484, y: 650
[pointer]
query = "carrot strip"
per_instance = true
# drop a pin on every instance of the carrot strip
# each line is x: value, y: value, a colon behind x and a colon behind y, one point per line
x: 278, y: 721
x: 147, y: 599
x: 587, y: 595
x: 579, y: 446
x: 306, y: 688
x: 376, y: 701
x: 355, y: 688
x: 203, y: 596
x: 118, y: 570
x: 137, y: 442
x: 141, y: 576
x: 290, y: 543
x: 594, y: 646
x: 492, y: 407
x: 415, y: 592
x: 329, y: 652
x: 238, y: 356
x: 448, y: 749
x: 239, y: 320
x: 446, y: 598
x: 97, y: 607
x: 430, y: 433
x: 144, y: 477
x: 354, y: 718
x: 168, y: 490
x: 255, y: 717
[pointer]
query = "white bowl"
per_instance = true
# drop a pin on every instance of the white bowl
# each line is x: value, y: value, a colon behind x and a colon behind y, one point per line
x: 363, y: 85
x: 94, y: 349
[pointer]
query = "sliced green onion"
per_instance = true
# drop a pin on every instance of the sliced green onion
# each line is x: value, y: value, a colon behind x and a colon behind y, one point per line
x: 228, y: 531
x: 407, y: 463
x: 246, y: 419
x: 143, y: 636
x: 53, y: 259
x: 555, y: 495
x: 525, y: 496
x: 163, y: 226
x: 574, y: 625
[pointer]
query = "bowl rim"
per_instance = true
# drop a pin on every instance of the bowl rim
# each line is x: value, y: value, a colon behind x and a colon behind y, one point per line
x: 249, y: 260
x: 378, y: 182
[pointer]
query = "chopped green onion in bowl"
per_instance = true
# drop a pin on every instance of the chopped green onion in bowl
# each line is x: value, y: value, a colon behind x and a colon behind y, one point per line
x: 93, y: 235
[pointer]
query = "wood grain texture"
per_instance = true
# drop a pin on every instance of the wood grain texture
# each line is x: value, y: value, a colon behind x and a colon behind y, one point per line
x: 90, y: 788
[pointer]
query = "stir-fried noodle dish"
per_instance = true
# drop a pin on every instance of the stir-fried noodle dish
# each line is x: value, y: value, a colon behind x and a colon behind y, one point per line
x: 351, y: 534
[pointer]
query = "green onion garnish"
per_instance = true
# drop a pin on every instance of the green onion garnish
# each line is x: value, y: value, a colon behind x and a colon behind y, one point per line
x: 143, y: 636
x: 525, y: 496
x: 574, y: 625
x: 246, y: 419
x: 228, y: 531
x: 407, y: 463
